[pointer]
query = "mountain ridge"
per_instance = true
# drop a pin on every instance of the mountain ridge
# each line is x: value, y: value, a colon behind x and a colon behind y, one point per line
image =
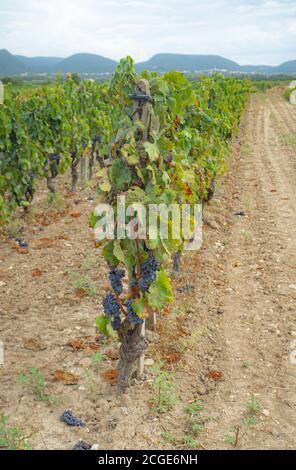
x: 93, y: 63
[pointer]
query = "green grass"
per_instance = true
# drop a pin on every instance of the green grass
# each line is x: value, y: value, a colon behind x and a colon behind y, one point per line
x: 34, y: 382
x: 290, y: 140
x: 11, y: 438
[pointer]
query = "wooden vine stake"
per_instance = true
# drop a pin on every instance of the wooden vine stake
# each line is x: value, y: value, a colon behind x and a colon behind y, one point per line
x: 141, y: 112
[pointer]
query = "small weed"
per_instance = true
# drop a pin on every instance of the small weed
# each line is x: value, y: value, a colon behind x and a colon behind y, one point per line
x: 290, y: 140
x: 190, y: 442
x: 168, y: 437
x: 81, y: 282
x: 164, y: 390
x: 34, y: 381
x: 253, y: 406
x: 195, y: 424
x: 247, y: 363
x: 56, y: 201
x: 247, y: 236
x: 98, y: 357
x: 11, y: 438
x: 91, y: 381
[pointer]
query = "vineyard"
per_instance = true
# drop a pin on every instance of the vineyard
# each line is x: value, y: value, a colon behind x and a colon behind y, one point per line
x: 123, y: 341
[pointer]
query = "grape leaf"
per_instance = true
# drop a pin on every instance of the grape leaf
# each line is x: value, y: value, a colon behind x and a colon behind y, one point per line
x: 160, y: 292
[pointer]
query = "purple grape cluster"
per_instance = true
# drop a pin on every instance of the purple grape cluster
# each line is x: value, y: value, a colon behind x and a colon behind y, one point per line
x: 110, y: 305
x: 68, y: 418
x: 131, y: 314
x: 115, y: 278
x: 149, y: 270
x: 81, y: 445
x: 112, y: 309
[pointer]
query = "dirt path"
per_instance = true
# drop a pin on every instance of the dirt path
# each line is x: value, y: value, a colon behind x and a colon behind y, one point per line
x: 228, y: 337
x: 260, y: 303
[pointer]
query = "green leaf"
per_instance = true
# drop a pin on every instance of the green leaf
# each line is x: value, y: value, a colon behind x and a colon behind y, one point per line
x: 152, y: 150
x: 160, y: 292
x: 139, y: 306
x: 101, y: 323
x: 120, y: 174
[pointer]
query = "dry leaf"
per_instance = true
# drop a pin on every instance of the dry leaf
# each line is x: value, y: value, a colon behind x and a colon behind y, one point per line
x: 66, y: 377
x: 80, y: 293
x: 34, y: 344
x: 112, y: 354
x: 173, y: 358
x: 110, y: 376
x: 37, y: 272
x: 75, y: 215
x: 215, y: 375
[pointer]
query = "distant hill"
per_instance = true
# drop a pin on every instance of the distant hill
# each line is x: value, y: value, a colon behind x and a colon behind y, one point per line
x: 92, y: 63
x: 286, y: 67
x: 39, y: 64
x: 190, y: 63
x: 86, y: 63
x: 10, y: 65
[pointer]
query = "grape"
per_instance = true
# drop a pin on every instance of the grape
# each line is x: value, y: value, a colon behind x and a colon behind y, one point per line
x: 115, y: 278
x: 131, y: 314
x: 116, y: 323
x: 110, y: 305
x: 68, y: 418
x: 81, y: 445
x: 148, y: 273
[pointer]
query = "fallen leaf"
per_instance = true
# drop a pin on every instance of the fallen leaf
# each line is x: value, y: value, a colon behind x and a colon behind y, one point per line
x: 66, y: 377
x: 37, y: 272
x: 110, y: 376
x: 44, y: 243
x: 80, y: 293
x: 173, y: 358
x: 75, y: 215
x: 215, y: 375
x: 87, y: 344
x: 112, y: 354
x: 34, y: 344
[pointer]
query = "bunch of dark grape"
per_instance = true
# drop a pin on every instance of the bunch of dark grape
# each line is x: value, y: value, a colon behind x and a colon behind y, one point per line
x: 149, y: 269
x: 112, y: 309
x: 116, y: 323
x: 68, y: 418
x: 115, y: 278
x: 81, y: 445
x: 111, y: 306
x: 131, y: 314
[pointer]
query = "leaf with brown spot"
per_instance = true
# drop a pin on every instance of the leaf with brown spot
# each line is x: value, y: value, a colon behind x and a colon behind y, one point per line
x: 110, y: 376
x: 66, y: 377
x: 215, y: 375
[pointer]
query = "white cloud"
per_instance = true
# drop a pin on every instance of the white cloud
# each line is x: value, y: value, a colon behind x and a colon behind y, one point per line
x: 249, y: 31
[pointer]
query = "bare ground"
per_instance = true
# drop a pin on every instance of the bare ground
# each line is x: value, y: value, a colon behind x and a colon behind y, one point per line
x: 228, y: 340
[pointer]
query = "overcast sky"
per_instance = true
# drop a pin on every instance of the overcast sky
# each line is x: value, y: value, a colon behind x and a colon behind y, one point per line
x: 248, y: 31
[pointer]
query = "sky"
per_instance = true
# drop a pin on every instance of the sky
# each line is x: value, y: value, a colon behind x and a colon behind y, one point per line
x: 247, y: 31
